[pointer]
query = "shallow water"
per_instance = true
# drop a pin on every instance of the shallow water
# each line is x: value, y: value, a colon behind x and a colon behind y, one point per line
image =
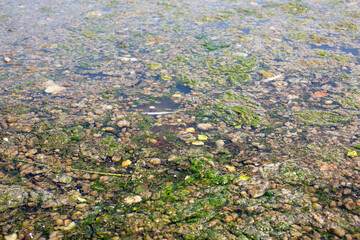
x: 261, y: 138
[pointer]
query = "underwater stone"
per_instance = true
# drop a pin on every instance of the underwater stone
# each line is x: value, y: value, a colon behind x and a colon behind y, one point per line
x: 220, y: 143
x: 11, y: 237
x: 338, y: 231
x: 52, y: 88
x: 204, y: 126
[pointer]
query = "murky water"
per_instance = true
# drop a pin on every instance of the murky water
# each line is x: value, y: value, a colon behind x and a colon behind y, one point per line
x: 179, y: 119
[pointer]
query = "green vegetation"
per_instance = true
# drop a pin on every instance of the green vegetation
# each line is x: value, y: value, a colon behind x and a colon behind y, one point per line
x: 295, y: 7
x: 213, y: 45
x: 321, y: 118
x: 235, y: 115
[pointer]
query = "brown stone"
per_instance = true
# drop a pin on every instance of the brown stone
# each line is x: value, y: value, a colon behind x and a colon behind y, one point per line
x: 338, y: 231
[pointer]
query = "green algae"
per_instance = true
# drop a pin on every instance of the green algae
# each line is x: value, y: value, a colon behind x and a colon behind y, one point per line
x: 154, y: 66
x: 321, y: 118
x: 213, y: 45
x: 295, y: 7
x: 326, y: 54
x: 235, y: 115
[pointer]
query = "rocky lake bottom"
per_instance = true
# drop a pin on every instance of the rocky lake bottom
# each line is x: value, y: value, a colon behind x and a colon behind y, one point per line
x: 181, y: 119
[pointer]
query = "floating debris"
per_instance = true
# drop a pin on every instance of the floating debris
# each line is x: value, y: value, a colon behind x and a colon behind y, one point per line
x: 157, y: 113
x: 7, y: 60
x: 273, y: 78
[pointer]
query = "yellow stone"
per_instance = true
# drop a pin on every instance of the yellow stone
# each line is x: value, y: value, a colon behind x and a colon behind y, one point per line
x: 230, y: 168
x: 126, y: 163
x: 352, y: 154
x: 197, y: 143
x: 190, y: 130
x: 244, y: 177
x: 202, y: 137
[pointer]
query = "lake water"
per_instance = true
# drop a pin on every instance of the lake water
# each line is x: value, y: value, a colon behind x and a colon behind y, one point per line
x: 179, y: 119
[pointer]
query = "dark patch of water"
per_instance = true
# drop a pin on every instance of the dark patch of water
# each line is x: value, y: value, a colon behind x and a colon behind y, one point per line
x: 322, y: 47
x: 353, y: 51
x: 160, y: 106
x: 182, y: 88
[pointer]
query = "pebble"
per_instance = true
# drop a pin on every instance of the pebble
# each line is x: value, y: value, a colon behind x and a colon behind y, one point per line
x: 213, y: 223
x: 205, y: 126
x: 153, y: 141
x: 81, y: 206
x: 59, y: 222
x: 231, y: 218
x: 126, y: 163
x: 350, y: 205
x: 56, y: 235
x: 52, y: 88
x: 314, y: 199
x: 190, y: 130
x: 295, y: 234
x: 220, y: 143
x: 338, y: 231
x: 197, y: 143
x: 11, y: 237
x: 123, y: 123
x: 31, y: 153
x: 317, y: 206
x: 104, y: 179
x: 67, y: 222
x: 132, y: 199
x: 155, y: 161
x: 231, y: 169
x: 347, y: 191
x: 108, y: 129
x: 333, y: 204
x: 70, y: 226
x: 329, y: 102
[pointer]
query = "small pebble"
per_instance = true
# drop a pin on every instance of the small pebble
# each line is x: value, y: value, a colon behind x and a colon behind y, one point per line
x: 126, y: 163
x: 81, y: 206
x: 317, y: 206
x: 108, y: 129
x: 338, y: 231
x: 204, y: 126
x: 314, y: 199
x: 123, y: 123
x: 333, y: 204
x: 213, y: 223
x: 350, y: 205
x: 155, y: 161
x: 347, y: 191
x: 11, y: 237
x: 329, y: 102
x: 220, y: 143
x: 59, y: 222
x: 104, y: 179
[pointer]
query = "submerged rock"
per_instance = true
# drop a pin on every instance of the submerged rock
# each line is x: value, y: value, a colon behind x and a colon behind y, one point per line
x: 53, y: 88
x: 12, y: 197
x: 204, y: 126
x: 11, y: 237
